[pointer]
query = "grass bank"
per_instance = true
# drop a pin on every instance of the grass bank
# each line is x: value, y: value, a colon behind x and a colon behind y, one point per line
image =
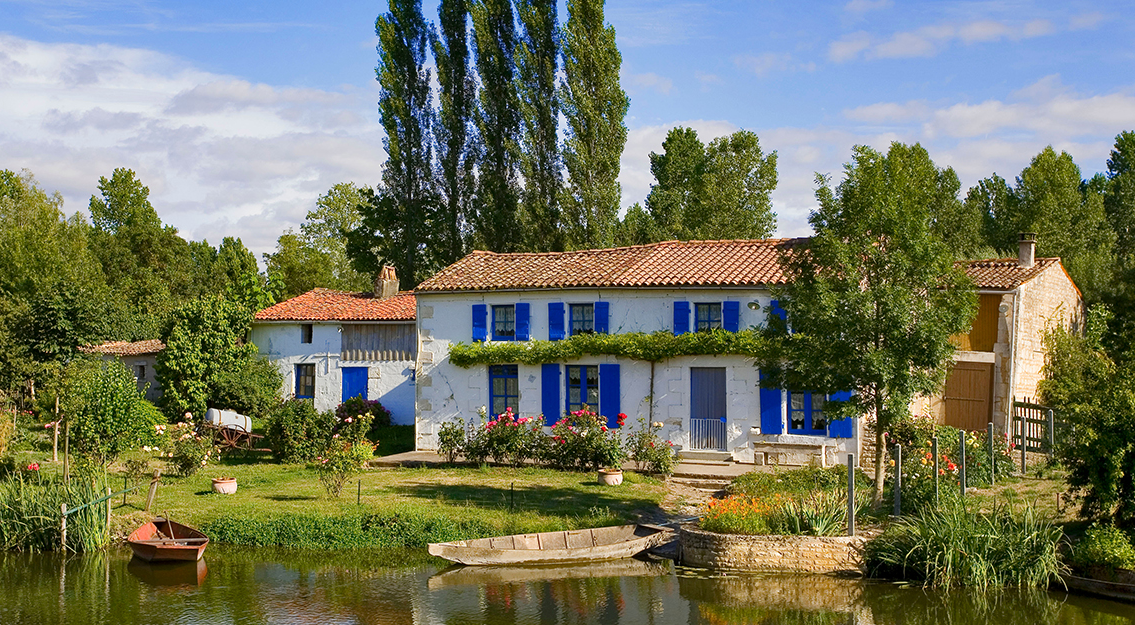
x: 284, y: 505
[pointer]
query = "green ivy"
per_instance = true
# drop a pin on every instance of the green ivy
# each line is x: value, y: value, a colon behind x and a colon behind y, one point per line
x: 654, y: 347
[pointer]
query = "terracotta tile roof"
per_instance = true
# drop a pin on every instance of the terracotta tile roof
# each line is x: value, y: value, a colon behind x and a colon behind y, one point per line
x: 1004, y: 273
x: 330, y: 305
x: 670, y: 263
x: 125, y: 348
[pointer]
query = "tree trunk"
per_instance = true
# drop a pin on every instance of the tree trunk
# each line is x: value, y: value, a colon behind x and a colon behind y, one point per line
x: 880, y: 452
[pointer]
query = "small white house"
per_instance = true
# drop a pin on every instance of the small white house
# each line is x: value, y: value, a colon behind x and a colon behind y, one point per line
x: 712, y: 407
x: 335, y: 345
x: 140, y: 357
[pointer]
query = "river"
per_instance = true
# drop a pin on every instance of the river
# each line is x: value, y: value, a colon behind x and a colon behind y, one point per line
x: 252, y: 586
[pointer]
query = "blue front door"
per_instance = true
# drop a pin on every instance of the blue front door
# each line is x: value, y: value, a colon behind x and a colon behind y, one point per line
x: 354, y: 382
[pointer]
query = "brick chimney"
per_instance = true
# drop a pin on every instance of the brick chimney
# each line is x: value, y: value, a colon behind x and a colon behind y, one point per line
x: 1026, y: 254
x: 386, y: 283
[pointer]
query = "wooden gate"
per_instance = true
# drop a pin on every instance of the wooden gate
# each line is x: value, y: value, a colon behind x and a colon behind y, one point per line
x: 969, y: 396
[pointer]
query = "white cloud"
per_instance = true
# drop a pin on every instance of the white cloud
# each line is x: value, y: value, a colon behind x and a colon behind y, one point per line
x: 1086, y: 21
x: 652, y: 81
x: 763, y: 64
x: 931, y: 40
x: 863, y: 6
x: 848, y: 47
x: 222, y: 156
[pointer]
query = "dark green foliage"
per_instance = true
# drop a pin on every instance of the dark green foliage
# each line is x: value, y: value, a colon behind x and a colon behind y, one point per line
x: 1119, y: 202
x: 317, y: 255
x: 950, y: 546
x: 1095, y: 399
x: 794, y: 482
x: 653, y: 454
x: 451, y: 441
x: 61, y: 320
x: 204, y: 340
x: 1104, y: 546
x: 537, y: 55
x: 654, y: 347
x: 105, y: 409
x: 392, y: 439
x: 379, y: 416
x: 595, y: 106
x: 993, y: 198
x: 496, y: 226
x: 679, y: 174
x: 875, y: 290
x: 297, y: 432
x: 453, y: 131
x: 410, y: 528
x: 251, y: 389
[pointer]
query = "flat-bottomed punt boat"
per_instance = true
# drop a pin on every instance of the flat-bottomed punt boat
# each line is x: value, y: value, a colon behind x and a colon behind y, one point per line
x: 162, y: 540
x: 601, y: 543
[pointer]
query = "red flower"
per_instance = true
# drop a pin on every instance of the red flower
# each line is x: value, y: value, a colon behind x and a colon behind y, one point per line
x: 33, y: 466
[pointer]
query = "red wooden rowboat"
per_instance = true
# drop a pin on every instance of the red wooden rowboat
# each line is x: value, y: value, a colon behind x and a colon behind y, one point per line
x: 162, y: 540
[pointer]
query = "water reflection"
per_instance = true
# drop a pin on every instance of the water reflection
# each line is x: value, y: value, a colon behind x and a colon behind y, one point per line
x: 264, y: 586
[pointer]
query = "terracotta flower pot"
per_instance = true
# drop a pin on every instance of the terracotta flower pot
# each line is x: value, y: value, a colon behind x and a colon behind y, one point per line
x: 610, y: 477
x: 225, y: 485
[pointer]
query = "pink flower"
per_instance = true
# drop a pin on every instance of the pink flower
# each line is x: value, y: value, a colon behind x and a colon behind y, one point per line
x: 33, y: 466
x: 48, y: 426
x: 348, y: 420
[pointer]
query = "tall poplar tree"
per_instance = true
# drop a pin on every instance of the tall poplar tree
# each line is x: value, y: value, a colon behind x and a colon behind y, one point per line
x: 496, y: 226
x: 537, y: 55
x: 595, y: 106
x: 1120, y: 199
x: 453, y: 131
x: 396, y: 219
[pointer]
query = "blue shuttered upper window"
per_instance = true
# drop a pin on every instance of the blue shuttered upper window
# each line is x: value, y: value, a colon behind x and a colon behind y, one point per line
x: 523, y: 322
x: 582, y: 319
x: 707, y: 317
x: 504, y: 323
x: 731, y: 316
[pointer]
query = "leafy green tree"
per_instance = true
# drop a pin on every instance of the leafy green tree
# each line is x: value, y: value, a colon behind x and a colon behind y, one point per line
x: 453, y: 131
x: 252, y: 389
x: 873, y: 297
x: 679, y: 174
x: 1120, y: 199
x: 637, y: 227
x: 595, y: 106
x: 204, y: 340
x: 495, y: 222
x: 737, y: 189
x: 105, y: 409
x: 1095, y: 397
x: 537, y: 54
x: 300, y: 265
x: 960, y: 224
x: 317, y: 255
x: 993, y: 199
x: 63, y: 319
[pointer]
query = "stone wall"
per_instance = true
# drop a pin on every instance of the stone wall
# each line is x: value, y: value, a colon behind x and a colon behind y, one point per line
x: 810, y: 554
x: 1047, y: 301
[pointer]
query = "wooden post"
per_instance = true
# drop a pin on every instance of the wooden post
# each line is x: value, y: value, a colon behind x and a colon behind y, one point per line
x: 851, y: 494
x: 962, y: 472
x: 1051, y: 434
x: 992, y: 457
x: 359, y: 500
x: 934, y: 452
x: 153, y: 489
x: 55, y: 433
x: 67, y: 454
x: 125, y: 485
x: 898, y: 480
x: 109, y: 507
x: 63, y: 528
x: 1024, y: 447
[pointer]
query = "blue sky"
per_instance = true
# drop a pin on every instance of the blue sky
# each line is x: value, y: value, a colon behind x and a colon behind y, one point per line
x: 239, y: 114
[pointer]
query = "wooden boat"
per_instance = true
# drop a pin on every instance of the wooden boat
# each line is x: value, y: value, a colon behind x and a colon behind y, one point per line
x: 162, y: 540
x: 169, y: 573
x: 458, y: 575
x: 601, y: 543
x: 1118, y: 585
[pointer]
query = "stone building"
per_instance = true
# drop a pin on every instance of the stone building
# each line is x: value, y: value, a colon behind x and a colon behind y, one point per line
x: 138, y: 356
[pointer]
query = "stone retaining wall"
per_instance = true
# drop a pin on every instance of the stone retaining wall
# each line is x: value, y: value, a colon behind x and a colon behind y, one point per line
x: 811, y: 554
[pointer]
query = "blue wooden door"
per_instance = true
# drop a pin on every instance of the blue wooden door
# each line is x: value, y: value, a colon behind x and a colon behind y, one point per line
x: 354, y: 382
x: 707, y: 408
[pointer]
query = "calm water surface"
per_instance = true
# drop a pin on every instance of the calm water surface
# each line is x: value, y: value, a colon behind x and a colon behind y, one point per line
x: 265, y: 586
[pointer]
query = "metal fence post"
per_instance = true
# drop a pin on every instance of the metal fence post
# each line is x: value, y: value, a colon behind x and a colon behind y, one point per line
x: 992, y: 457
x: 1051, y: 434
x: 1024, y: 447
x: 851, y: 494
x: 962, y: 473
x: 934, y: 451
x: 898, y: 480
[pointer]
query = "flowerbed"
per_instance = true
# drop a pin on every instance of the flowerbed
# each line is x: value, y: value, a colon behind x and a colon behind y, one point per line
x: 818, y: 513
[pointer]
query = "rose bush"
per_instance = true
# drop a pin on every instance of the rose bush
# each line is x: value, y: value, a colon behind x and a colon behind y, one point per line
x: 340, y: 461
x: 506, y: 438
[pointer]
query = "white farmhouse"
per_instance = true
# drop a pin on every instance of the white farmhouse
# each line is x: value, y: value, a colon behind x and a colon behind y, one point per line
x: 335, y: 345
x: 712, y: 407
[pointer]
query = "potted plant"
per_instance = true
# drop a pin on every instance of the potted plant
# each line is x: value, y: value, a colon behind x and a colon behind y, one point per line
x: 612, y: 476
x: 224, y: 485
x: 610, y: 453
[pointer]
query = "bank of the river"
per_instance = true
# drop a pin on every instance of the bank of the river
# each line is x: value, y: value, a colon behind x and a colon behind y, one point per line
x: 285, y: 505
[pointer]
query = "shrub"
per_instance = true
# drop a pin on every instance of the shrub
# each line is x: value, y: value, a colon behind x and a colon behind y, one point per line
x: 506, y: 438
x: 297, y: 432
x: 252, y: 388
x: 951, y: 546
x: 357, y: 406
x: 1106, y: 546
x: 341, y: 460
x: 796, y: 481
x: 106, y: 410
x: 353, y: 425
x: 648, y: 449
x: 186, y: 450
x: 583, y: 440
x: 451, y: 440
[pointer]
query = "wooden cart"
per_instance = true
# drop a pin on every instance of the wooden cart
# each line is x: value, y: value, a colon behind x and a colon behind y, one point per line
x: 231, y: 431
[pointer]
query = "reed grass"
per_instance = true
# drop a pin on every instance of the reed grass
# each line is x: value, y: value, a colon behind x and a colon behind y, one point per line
x: 30, y: 514
x: 954, y: 547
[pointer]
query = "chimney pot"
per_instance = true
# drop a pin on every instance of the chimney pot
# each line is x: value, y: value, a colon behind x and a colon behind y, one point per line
x: 1026, y: 250
x: 386, y: 283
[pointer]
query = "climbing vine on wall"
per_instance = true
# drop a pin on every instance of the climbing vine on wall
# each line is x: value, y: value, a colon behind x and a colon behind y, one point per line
x: 654, y: 347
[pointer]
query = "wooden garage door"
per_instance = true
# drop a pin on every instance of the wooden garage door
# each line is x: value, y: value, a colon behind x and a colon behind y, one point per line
x: 969, y: 395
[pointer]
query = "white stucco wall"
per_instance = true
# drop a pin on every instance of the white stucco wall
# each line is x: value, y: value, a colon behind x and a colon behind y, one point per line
x: 390, y: 382
x: 446, y: 392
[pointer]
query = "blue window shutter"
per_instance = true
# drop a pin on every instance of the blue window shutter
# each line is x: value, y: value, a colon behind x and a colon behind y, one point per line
x: 555, y: 321
x: 550, y: 391
x: 731, y: 316
x: 771, y: 422
x: 777, y: 310
x: 480, y: 322
x: 602, y: 311
x: 681, y: 318
x: 843, y: 428
x: 523, y: 322
x: 609, y: 393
